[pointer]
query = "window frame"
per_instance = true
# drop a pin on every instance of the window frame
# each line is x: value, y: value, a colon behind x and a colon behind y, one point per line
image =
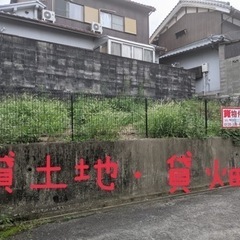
x: 144, y: 54
x: 67, y: 2
x: 130, y: 47
x: 114, y: 24
x: 134, y: 53
x: 198, y: 72
x: 143, y: 48
x: 101, y: 17
x: 181, y: 33
x: 120, y: 48
x: 111, y: 20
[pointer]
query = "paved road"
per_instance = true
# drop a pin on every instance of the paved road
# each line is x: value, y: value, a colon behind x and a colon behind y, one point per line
x: 214, y: 215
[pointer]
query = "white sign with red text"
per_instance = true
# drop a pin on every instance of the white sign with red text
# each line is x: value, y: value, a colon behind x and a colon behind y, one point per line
x: 230, y: 117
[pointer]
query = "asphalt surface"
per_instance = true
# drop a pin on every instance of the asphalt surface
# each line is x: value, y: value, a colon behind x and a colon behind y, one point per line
x: 213, y: 215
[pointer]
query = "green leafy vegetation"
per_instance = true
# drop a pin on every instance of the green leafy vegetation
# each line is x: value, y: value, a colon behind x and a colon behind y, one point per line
x: 104, y: 118
x: 10, y: 227
x: 26, y: 118
x: 30, y: 118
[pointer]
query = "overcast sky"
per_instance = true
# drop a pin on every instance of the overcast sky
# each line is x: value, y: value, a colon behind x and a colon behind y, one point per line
x: 4, y: 2
x: 163, y: 7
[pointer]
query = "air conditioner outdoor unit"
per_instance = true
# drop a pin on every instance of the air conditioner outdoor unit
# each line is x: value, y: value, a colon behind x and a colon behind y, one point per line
x: 48, y: 16
x: 96, y: 27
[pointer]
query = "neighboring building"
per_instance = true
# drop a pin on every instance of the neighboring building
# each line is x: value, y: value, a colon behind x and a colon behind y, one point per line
x: 193, y: 34
x: 119, y: 27
x: 230, y: 67
x: 202, y: 57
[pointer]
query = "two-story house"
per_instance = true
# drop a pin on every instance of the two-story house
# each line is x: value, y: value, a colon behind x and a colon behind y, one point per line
x: 193, y: 35
x: 114, y: 27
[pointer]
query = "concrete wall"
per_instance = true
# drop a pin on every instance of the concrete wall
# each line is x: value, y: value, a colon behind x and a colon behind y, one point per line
x: 232, y: 50
x: 230, y: 74
x: 196, y: 59
x: 146, y: 156
x: 35, y: 64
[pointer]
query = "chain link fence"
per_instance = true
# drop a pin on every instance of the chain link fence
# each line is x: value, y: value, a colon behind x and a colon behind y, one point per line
x: 63, y: 117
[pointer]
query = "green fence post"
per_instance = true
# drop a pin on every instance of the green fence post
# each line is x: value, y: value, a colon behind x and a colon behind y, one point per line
x: 206, y: 115
x: 72, y: 117
x: 146, y: 116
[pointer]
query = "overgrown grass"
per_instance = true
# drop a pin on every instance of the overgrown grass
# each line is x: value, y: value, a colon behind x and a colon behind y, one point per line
x: 28, y: 118
x: 103, y: 118
x: 175, y: 119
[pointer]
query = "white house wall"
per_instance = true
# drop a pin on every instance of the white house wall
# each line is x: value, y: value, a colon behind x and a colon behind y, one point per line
x: 41, y: 33
x: 197, y: 58
x: 29, y: 13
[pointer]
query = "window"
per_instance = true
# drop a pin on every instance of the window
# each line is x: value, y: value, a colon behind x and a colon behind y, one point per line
x: 148, y: 55
x: 126, y: 51
x: 106, y: 20
x: 111, y: 21
x: 75, y: 11
x: 60, y: 7
x: 116, y: 49
x: 197, y: 71
x: 117, y: 23
x: 68, y: 9
x: 181, y: 33
x: 138, y: 53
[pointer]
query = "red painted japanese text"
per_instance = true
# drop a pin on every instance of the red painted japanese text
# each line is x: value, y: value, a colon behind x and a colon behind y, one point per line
x: 109, y: 168
x: 216, y: 174
x: 6, y: 173
x: 103, y: 168
x: 179, y: 177
x: 48, y: 170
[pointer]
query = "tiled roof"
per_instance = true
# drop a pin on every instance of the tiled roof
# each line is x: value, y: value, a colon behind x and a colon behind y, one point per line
x: 199, y: 44
x: 209, y: 2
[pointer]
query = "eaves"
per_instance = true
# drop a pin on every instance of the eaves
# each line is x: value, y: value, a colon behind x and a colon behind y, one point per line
x: 212, y: 40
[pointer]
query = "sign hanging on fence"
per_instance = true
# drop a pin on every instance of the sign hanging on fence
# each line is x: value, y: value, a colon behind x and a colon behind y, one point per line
x: 230, y: 117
